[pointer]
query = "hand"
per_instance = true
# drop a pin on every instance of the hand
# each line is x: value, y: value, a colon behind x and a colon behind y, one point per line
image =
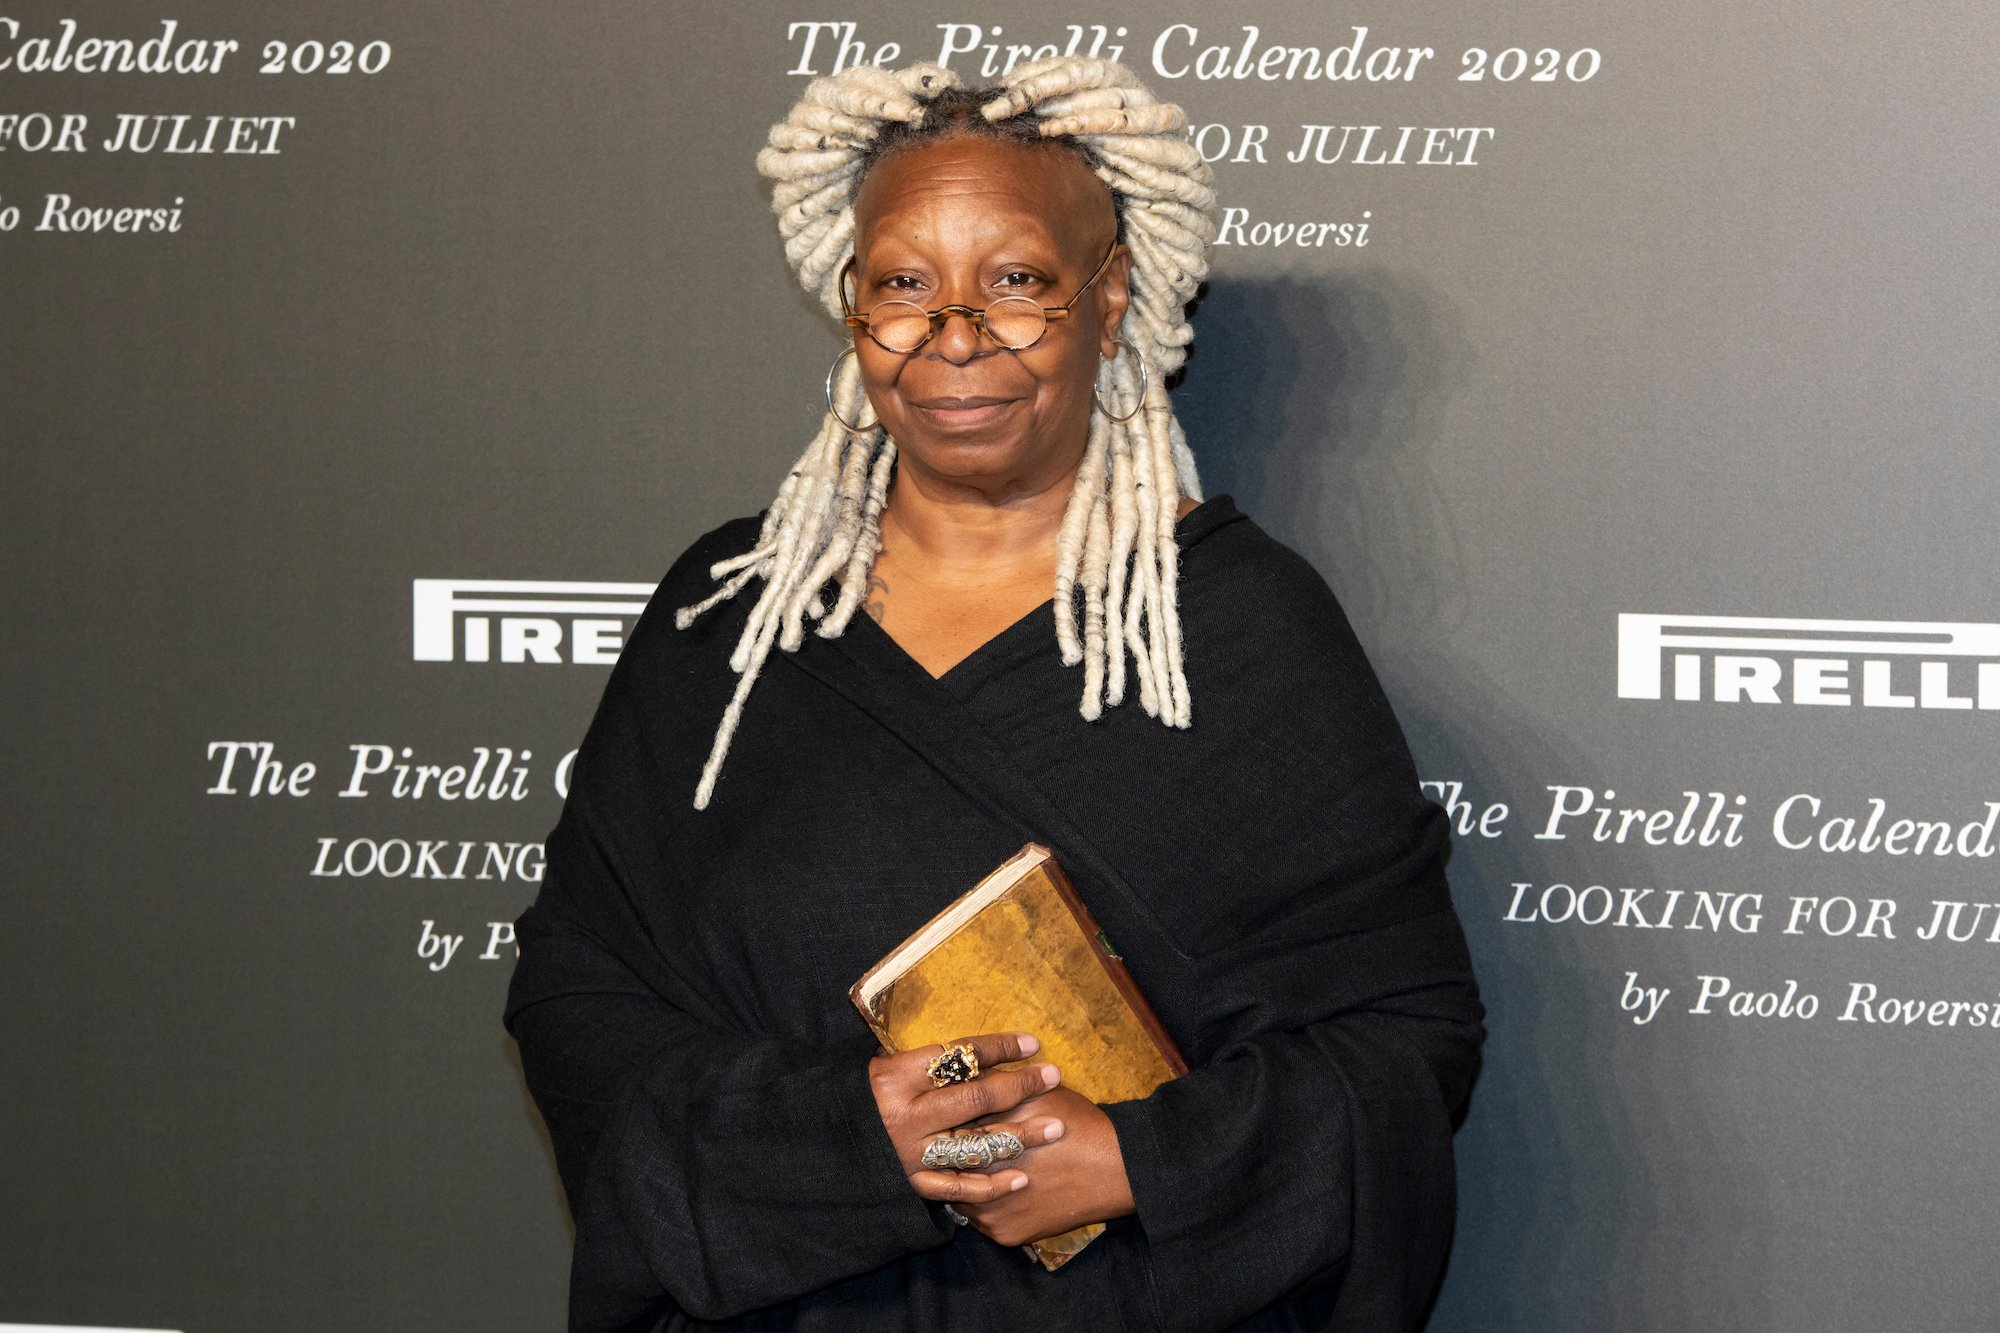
x: 1078, y: 1179
x: 915, y: 1112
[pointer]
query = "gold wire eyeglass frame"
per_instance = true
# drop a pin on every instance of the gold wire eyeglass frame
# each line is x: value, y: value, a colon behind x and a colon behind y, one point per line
x: 1050, y: 313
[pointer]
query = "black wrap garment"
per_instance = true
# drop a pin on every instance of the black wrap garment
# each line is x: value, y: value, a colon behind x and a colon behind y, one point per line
x: 1272, y: 876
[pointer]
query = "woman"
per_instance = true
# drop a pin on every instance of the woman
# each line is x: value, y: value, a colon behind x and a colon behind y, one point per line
x: 732, y: 1145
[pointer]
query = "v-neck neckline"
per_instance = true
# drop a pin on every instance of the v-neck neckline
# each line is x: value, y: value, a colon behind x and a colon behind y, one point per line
x: 1043, y: 615
x: 1190, y: 527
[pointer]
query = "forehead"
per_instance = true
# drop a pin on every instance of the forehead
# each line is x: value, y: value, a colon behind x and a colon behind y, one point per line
x: 993, y: 185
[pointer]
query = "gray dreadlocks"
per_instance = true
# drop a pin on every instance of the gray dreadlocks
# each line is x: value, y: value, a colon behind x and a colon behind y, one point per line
x: 1117, y: 536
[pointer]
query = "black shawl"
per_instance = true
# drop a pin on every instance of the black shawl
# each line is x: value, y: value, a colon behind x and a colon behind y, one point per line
x: 1272, y: 876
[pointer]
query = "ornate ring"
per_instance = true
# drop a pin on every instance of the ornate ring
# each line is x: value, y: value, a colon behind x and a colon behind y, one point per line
x: 1007, y: 1145
x: 972, y: 1152
x: 957, y: 1063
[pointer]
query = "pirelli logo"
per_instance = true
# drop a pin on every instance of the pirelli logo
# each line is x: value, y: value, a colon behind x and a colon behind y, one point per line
x: 1943, y: 665
x: 506, y: 620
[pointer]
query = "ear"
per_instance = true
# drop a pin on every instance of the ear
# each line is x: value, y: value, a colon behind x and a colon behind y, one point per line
x: 1116, y: 284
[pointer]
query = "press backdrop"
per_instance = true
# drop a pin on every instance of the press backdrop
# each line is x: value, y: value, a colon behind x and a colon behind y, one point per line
x: 1627, y: 369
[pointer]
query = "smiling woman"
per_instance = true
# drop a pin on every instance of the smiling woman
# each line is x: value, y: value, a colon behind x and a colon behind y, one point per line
x: 1000, y: 483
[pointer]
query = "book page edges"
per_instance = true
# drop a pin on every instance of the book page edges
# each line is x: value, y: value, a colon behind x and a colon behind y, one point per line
x: 935, y: 931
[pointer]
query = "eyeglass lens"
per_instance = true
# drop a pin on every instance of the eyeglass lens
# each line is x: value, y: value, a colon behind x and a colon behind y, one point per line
x: 903, y: 326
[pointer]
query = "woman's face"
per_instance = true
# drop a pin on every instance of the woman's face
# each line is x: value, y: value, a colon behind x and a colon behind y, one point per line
x: 968, y: 221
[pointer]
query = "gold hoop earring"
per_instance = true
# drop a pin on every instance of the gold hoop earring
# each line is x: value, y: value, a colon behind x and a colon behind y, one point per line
x: 1144, y: 381
x: 830, y: 372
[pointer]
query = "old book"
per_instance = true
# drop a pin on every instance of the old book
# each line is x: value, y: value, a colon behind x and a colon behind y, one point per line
x: 1020, y: 952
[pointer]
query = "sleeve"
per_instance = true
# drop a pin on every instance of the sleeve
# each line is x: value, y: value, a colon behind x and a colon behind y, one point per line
x: 1310, y: 1155
x: 706, y: 1171
x: 709, y: 1168
x: 1336, y: 1024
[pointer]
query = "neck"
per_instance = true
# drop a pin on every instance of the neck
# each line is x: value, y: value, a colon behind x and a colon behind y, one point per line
x: 951, y: 524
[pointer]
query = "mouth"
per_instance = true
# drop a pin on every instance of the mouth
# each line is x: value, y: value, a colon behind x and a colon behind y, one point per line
x: 968, y: 413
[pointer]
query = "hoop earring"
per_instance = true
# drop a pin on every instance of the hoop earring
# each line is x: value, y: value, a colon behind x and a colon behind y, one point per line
x: 830, y: 372
x: 1137, y: 407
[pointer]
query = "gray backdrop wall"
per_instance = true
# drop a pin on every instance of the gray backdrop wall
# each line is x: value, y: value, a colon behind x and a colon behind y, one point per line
x: 1628, y: 370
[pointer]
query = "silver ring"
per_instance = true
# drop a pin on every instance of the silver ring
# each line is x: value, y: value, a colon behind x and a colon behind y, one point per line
x: 957, y: 1218
x: 972, y: 1152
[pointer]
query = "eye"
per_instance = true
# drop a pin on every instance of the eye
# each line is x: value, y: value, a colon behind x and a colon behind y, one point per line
x: 898, y: 286
x: 1019, y: 280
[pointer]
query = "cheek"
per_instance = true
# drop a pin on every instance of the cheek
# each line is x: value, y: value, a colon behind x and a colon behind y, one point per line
x: 879, y: 370
x: 1071, y: 379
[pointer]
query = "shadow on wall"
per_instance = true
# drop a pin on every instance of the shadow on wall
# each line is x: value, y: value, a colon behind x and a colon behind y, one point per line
x: 1319, y: 405
x: 1323, y: 408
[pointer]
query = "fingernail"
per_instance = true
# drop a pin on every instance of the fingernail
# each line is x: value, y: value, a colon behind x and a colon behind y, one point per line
x: 1050, y: 1076
x: 1020, y: 1182
x: 1029, y: 1045
x: 1054, y: 1131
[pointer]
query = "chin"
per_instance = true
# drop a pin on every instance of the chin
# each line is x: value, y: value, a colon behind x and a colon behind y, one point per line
x: 966, y: 457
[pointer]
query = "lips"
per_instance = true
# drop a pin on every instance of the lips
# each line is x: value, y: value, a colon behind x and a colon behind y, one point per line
x: 964, y: 412
x: 958, y: 404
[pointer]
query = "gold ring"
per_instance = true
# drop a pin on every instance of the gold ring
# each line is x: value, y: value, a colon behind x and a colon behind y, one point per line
x: 957, y: 1063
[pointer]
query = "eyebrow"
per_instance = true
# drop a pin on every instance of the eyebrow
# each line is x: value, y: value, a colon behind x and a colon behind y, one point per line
x: 1001, y: 260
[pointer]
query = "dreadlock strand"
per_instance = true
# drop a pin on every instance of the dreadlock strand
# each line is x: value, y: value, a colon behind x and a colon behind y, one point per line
x: 1058, y: 76
x: 1124, y: 529
x: 1142, y: 599
x: 1094, y: 638
x: 849, y: 494
x: 1185, y: 472
x: 1084, y: 497
x: 824, y: 257
x: 1089, y: 99
x: 794, y: 545
x: 736, y: 562
x: 1156, y: 119
x: 854, y: 582
x: 730, y: 587
x: 817, y: 125
x: 1165, y: 636
x: 799, y: 200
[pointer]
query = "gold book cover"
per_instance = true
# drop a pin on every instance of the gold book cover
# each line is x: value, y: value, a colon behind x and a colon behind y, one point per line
x: 1019, y: 951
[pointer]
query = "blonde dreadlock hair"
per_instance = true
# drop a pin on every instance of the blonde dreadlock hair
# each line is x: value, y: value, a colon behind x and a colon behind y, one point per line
x: 1117, y: 536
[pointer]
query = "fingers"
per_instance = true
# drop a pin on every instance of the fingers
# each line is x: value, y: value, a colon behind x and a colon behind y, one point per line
x: 993, y: 1048
x: 994, y: 1091
x: 1032, y: 1133
x: 968, y: 1186
x: 989, y: 1094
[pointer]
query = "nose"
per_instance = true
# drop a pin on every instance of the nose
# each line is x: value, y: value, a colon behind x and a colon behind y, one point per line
x: 958, y: 341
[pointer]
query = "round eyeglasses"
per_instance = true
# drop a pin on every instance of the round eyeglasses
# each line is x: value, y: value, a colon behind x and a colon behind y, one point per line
x: 1014, y: 322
